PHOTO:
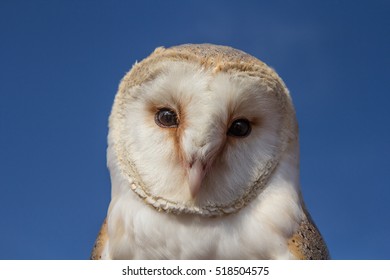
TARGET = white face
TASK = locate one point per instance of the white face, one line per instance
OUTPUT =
(200, 138)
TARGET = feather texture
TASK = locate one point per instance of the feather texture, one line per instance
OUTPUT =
(192, 190)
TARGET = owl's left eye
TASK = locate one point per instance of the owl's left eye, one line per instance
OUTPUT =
(240, 128)
(166, 118)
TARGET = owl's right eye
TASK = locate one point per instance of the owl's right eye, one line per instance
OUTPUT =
(166, 118)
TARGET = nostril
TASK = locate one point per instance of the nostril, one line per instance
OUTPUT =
(193, 161)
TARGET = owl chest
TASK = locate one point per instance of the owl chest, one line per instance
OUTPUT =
(183, 238)
(147, 234)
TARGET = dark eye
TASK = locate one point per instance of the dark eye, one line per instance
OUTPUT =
(240, 128)
(166, 118)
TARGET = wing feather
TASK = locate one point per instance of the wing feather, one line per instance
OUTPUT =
(307, 243)
(100, 242)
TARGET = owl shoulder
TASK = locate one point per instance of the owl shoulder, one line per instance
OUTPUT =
(100, 242)
(307, 242)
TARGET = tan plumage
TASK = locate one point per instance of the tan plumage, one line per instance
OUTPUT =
(201, 178)
(307, 242)
(100, 242)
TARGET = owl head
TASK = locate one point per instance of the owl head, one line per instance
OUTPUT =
(200, 129)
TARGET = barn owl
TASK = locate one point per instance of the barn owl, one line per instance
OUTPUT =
(204, 162)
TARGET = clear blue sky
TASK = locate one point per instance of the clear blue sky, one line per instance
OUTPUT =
(60, 65)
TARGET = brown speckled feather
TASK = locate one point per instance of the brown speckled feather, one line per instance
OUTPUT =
(100, 242)
(307, 243)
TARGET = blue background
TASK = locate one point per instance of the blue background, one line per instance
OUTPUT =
(60, 65)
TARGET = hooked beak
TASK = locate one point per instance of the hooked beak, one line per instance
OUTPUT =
(196, 173)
